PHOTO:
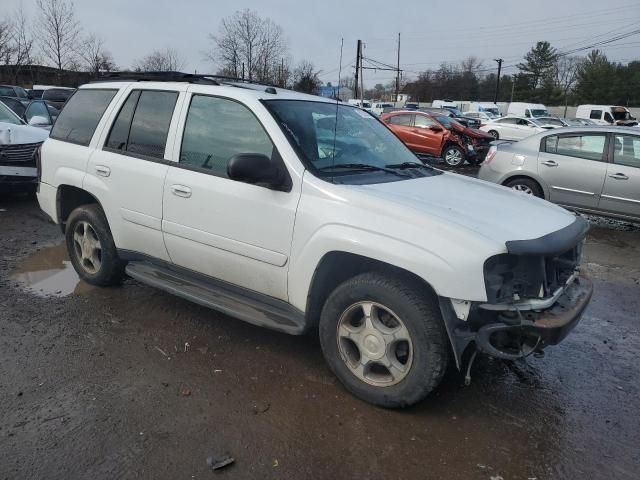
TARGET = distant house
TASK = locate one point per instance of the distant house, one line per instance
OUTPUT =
(329, 91)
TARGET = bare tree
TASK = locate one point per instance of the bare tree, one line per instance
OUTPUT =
(94, 56)
(565, 72)
(248, 43)
(6, 37)
(58, 32)
(471, 65)
(167, 60)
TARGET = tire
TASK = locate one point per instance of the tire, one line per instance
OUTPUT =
(86, 226)
(494, 134)
(526, 185)
(418, 363)
(475, 161)
(453, 156)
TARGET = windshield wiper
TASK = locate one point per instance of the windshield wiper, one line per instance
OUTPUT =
(363, 166)
(403, 165)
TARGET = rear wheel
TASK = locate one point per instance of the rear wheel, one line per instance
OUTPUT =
(494, 134)
(453, 155)
(525, 185)
(91, 248)
(384, 339)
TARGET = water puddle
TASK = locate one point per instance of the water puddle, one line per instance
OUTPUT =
(49, 272)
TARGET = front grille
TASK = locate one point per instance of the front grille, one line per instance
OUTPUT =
(18, 155)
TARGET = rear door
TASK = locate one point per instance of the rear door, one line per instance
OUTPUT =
(402, 125)
(508, 128)
(621, 192)
(130, 168)
(574, 167)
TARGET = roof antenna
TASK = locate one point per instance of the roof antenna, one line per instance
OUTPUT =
(335, 125)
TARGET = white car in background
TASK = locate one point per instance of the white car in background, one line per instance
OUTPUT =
(514, 128)
(484, 117)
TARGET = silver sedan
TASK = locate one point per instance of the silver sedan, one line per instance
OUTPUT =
(590, 169)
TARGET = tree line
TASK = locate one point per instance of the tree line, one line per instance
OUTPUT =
(544, 76)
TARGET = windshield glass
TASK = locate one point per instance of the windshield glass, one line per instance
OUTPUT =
(446, 122)
(7, 116)
(620, 114)
(356, 138)
(455, 111)
(539, 113)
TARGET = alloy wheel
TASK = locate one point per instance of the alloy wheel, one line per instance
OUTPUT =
(453, 157)
(522, 188)
(87, 247)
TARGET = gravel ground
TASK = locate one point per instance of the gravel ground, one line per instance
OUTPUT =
(131, 382)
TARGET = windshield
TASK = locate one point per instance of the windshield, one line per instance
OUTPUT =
(366, 105)
(490, 111)
(620, 114)
(7, 116)
(455, 111)
(446, 122)
(539, 113)
(356, 138)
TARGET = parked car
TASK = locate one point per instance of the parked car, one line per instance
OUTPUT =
(411, 106)
(15, 105)
(513, 128)
(18, 148)
(527, 110)
(16, 92)
(454, 114)
(485, 107)
(58, 96)
(594, 170)
(444, 104)
(293, 212)
(439, 136)
(34, 93)
(379, 108)
(607, 115)
(483, 117)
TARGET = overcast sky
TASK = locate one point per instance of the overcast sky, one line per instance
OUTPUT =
(432, 31)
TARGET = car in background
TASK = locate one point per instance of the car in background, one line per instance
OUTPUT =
(18, 147)
(456, 115)
(34, 93)
(580, 122)
(483, 117)
(15, 105)
(379, 108)
(439, 136)
(527, 110)
(16, 92)
(484, 107)
(607, 115)
(513, 128)
(37, 113)
(57, 96)
(411, 106)
(590, 169)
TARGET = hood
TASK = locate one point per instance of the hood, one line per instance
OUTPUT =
(11, 134)
(497, 213)
(470, 132)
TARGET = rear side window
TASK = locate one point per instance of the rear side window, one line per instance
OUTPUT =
(595, 114)
(142, 124)
(589, 147)
(404, 120)
(216, 130)
(626, 150)
(81, 115)
(510, 121)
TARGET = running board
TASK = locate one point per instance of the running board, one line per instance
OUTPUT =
(232, 300)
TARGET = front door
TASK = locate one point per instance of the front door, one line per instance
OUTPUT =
(621, 192)
(236, 232)
(573, 166)
(427, 135)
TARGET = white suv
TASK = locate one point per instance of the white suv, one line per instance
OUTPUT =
(301, 214)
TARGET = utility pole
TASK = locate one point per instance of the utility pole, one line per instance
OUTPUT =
(398, 71)
(358, 55)
(513, 86)
(282, 79)
(361, 77)
(495, 98)
(243, 70)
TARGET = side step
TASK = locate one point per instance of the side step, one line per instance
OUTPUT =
(232, 300)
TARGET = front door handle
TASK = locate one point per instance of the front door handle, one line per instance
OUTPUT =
(181, 191)
(103, 171)
(550, 163)
(619, 176)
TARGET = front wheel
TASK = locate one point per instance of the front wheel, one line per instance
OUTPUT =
(453, 155)
(525, 185)
(494, 134)
(91, 248)
(384, 339)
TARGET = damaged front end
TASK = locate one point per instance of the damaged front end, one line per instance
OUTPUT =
(535, 297)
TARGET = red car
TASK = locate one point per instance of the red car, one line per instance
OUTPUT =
(437, 135)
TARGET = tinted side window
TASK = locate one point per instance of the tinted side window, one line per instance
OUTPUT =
(37, 109)
(595, 114)
(150, 125)
(80, 117)
(404, 120)
(119, 134)
(626, 150)
(509, 121)
(589, 147)
(424, 122)
(218, 129)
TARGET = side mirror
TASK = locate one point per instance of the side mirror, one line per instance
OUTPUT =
(257, 169)
(38, 120)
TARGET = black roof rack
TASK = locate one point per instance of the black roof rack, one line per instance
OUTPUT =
(198, 78)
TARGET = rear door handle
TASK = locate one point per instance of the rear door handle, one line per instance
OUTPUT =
(103, 171)
(619, 176)
(181, 191)
(550, 163)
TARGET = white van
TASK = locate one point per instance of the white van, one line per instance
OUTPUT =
(529, 110)
(490, 108)
(444, 104)
(607, 115)
(378, 108)
(364, 104)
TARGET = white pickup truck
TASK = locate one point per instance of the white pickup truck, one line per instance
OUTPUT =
(301, 214)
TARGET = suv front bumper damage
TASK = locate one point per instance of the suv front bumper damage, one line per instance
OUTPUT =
(502, 333)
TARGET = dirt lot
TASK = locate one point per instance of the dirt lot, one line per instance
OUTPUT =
(131, 382)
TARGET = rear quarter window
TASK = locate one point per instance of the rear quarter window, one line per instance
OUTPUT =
(78, 120)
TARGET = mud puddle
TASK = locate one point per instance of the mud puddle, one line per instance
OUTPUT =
(49, 272)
